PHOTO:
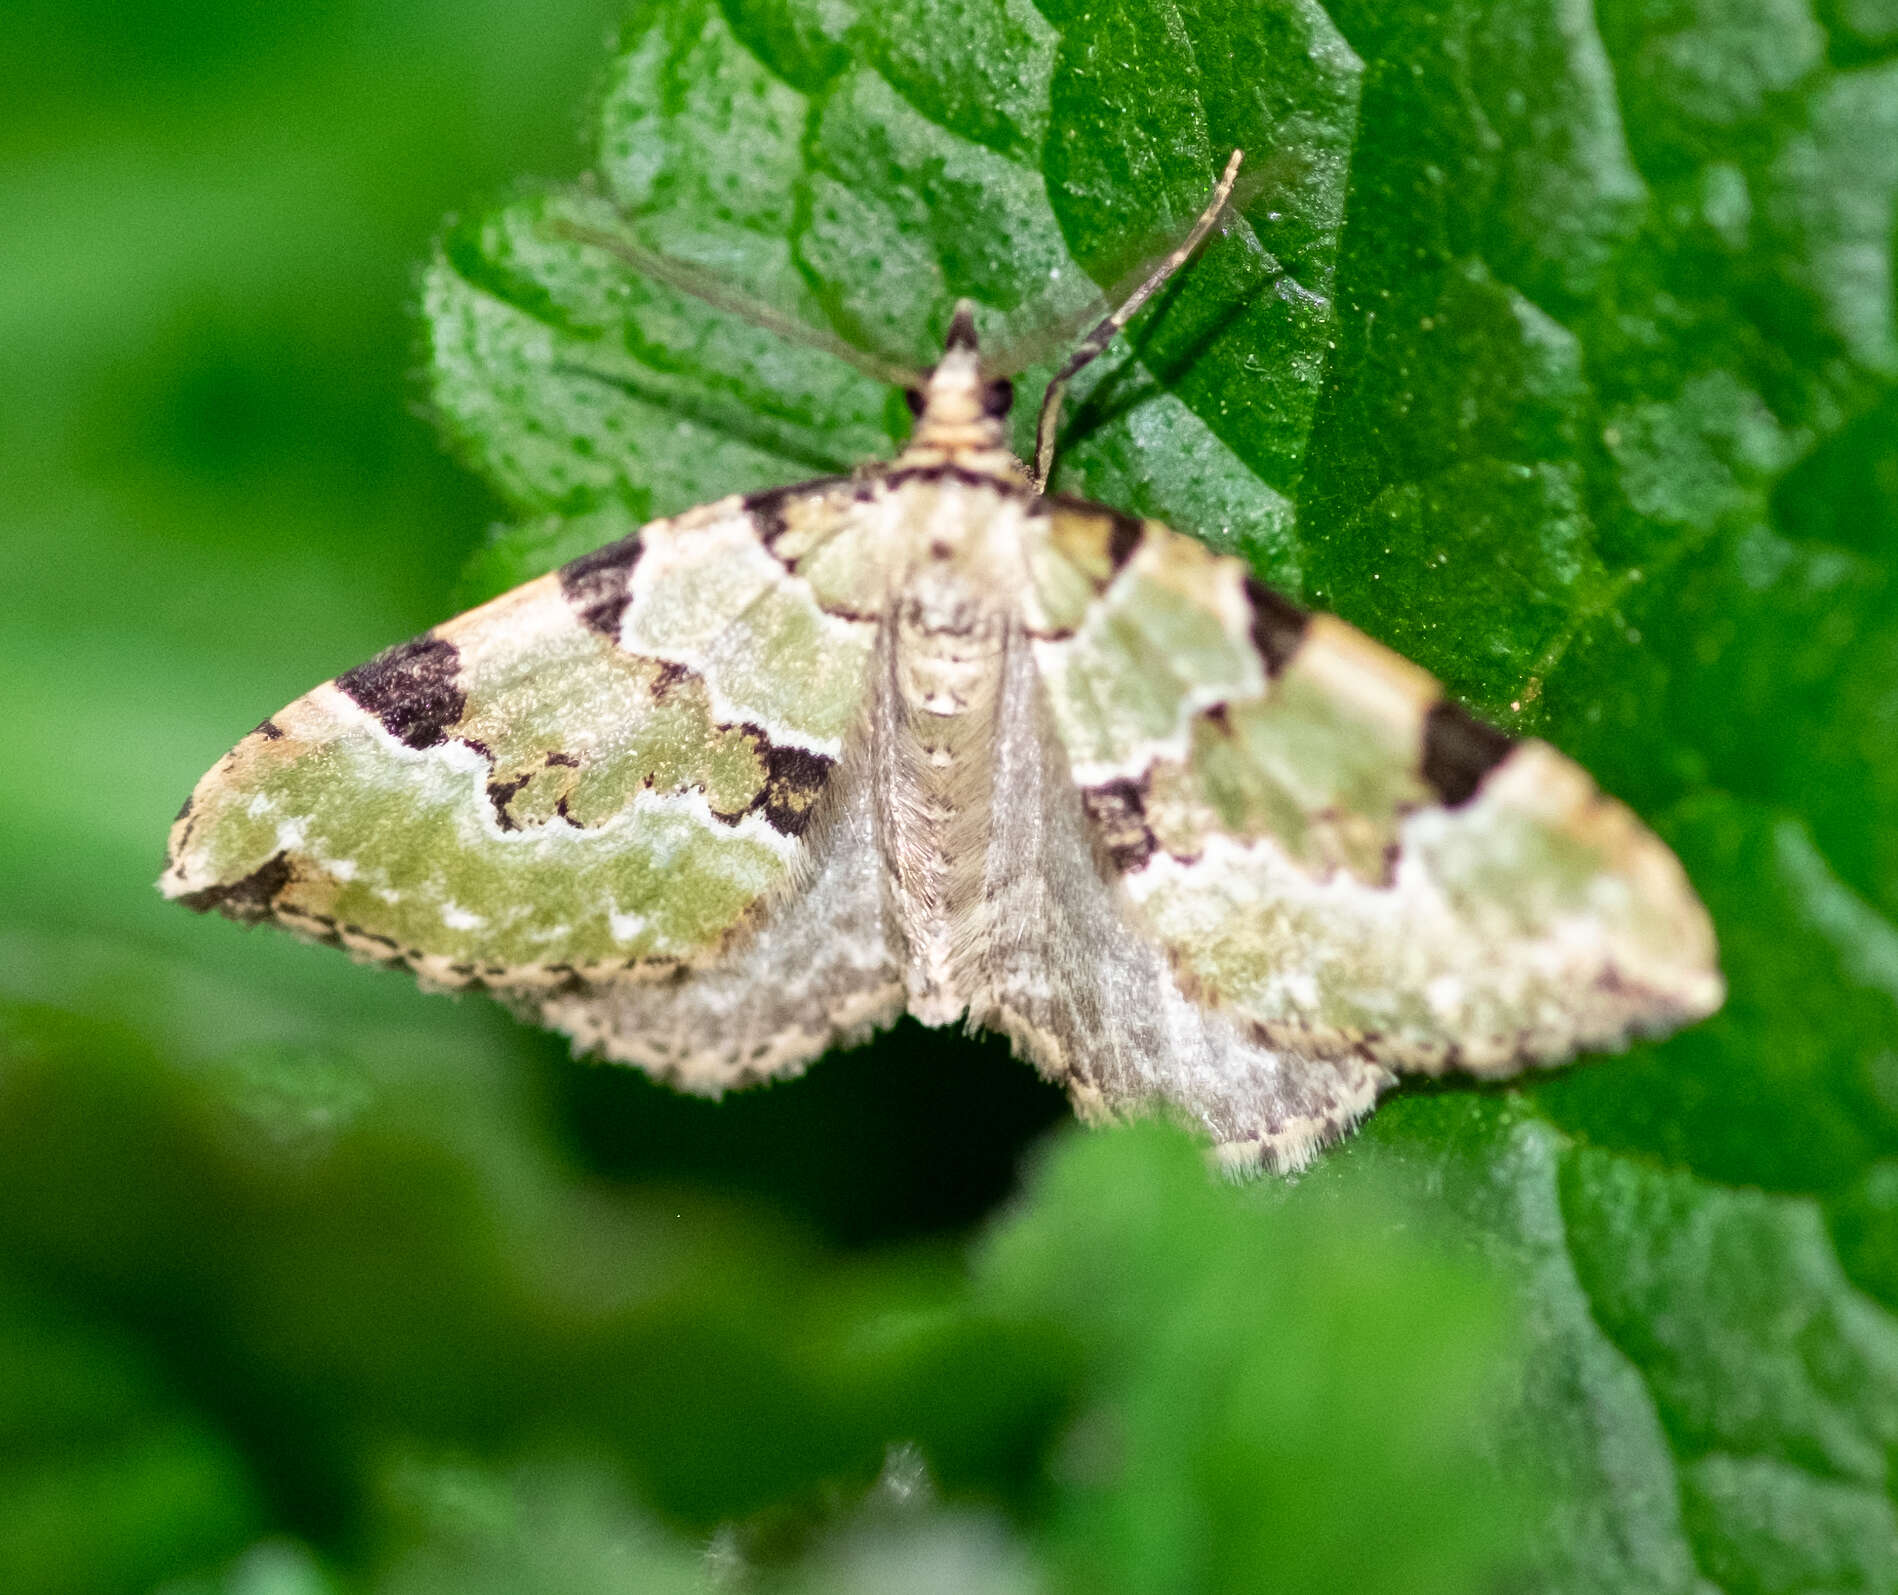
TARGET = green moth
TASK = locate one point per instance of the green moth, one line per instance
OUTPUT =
(763, 777)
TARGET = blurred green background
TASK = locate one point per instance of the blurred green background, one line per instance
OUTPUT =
(309, 1282)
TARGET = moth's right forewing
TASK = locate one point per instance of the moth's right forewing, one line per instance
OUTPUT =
(1328, 855)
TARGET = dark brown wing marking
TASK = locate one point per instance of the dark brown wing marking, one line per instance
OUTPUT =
(1118, 810)
(1278, 625)
(249, 900)
(411, 689)
(795, 779)
(599, 585)
(1458, 751)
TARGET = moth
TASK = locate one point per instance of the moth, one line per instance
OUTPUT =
(760, 779)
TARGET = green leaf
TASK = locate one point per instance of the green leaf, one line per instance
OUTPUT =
(110, 1480)
(1260, 1383)
(557, 1526)
(374, 1251)
(1560, 349)
(865, 186)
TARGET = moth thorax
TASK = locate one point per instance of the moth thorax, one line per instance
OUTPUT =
(949, 648)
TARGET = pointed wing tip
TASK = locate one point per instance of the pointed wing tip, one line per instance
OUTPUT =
(247, 899)
(174, 882)
(1694, 995)
(1670, 950)
(1683, 968)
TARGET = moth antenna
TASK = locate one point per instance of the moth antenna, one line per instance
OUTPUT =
(1106, 329)
(709, 290)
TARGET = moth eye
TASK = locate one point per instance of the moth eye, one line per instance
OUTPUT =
(997, 397)
(913, 397)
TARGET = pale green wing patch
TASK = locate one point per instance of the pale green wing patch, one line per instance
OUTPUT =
(1330, 853)
(522, 798)
(1137, 629)
(758, 606)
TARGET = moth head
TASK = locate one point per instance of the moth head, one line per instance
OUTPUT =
(959, 404)
(998, 396)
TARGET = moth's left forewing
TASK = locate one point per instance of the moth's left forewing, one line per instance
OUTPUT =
(608, 778)
(1332, 856)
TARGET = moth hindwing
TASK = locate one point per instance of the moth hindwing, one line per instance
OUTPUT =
(766, 776)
